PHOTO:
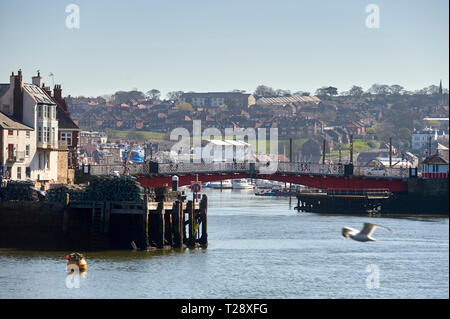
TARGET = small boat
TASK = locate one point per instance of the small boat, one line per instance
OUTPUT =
(226, 184)
(76, 260)
(265, 192)
(241, 184)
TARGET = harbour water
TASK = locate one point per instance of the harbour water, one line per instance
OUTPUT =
(259, 247)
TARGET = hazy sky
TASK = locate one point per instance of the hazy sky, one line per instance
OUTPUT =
(208, 45)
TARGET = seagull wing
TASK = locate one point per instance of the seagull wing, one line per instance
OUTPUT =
(349, 230)
(369, 228)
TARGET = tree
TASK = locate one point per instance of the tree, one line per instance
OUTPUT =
(396, 89)
(301, 93)
(174, 95)
(327, 91)
(153, 94)
(185, 106)
(125, 96)
(281, 92)
(356, 91)
(311, 149)
(264, 91)
(380, 89)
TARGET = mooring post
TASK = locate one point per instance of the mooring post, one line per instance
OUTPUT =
(190, 211)
(145, 218)
(168, 232)
(177, 224)
(204, 218)
(157, 225)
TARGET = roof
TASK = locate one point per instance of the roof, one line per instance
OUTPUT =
(228, 143)
(37, 94)
(288, 99)
(215, 94)
(3, 88)
(64, 120)
(9, 123)
(435, 159)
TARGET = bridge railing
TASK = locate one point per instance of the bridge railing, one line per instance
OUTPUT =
(109, 169)
(384, 172)
(311, 168)
(227, 167)
(186, 168)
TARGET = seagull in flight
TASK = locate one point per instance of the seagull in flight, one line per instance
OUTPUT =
(364, 235)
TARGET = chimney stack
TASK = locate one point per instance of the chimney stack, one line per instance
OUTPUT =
(47, 90)
(57, 92)
(17, 82)
(57, 96)
(37, 80)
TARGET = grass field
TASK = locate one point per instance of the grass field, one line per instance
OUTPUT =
(139, 135)
(358, 146)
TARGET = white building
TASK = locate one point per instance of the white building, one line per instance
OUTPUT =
(32, 113)
(421, 139)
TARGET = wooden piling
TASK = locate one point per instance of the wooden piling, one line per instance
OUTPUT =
(177, 223)
(168, 228)
(204, 220)
(160, 227)
(191, 223)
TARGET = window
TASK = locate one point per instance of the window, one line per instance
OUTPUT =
(45, 135)
(53, 136)
(28, 172)
(28, 133)
(10, 132)
(19, 172)
(45, 111)
(48, 135)
(40, 134)
(47, 164)
(40, 111)
(10, 151)
(27, 150)
(67, 137)
(40, 161)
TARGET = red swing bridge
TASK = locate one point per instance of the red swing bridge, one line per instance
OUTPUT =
(314, 175)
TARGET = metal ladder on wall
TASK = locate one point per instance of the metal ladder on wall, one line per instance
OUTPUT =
(97, 225)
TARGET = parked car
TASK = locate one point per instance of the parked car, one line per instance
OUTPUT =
(376, 171)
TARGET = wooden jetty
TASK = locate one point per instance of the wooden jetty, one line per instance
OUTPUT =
(170, 221)
(150, 225)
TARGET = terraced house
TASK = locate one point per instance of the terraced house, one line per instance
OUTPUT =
(28, 131)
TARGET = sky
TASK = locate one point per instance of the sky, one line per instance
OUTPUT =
(212, 45)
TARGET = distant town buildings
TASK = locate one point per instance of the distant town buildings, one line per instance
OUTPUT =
(422, 139)
(284, 100)
(87, 137)
(216, 99)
